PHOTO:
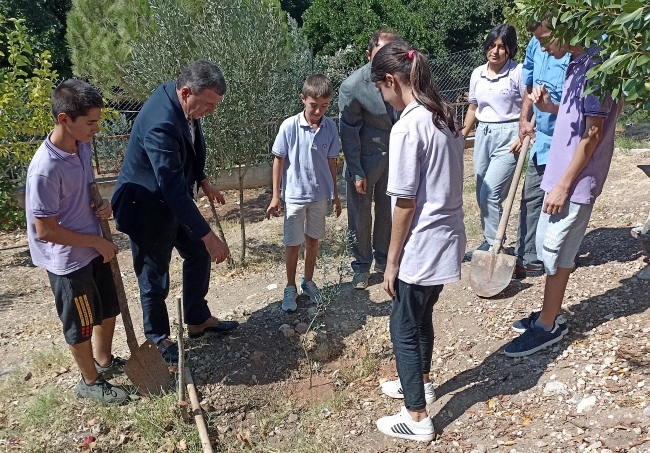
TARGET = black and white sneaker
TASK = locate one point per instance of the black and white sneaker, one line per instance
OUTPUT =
(394, 390)
(404, 427)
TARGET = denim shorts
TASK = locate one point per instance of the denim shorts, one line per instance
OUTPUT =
(559, 236)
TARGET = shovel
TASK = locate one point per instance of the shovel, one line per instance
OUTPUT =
(490, 272)
(146, 368)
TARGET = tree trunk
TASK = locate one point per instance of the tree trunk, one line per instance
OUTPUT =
(217, 224)
(242, 252)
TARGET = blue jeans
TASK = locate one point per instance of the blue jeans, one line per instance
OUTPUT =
(532, 198)
(411, 331)
(493, 168)
(151, 257)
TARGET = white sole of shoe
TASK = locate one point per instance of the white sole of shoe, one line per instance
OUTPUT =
(520, 330)
(415, 437)
(400, 396)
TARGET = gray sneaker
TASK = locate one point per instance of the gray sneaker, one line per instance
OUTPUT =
(360, 280)
(113, 369)
(289, 300)
(310, 290)
(380, 268)
(100, 390)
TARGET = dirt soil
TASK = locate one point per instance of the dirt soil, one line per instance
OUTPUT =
(587, 393)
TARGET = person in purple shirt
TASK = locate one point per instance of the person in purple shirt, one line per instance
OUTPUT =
(65, 239)
(578, 163)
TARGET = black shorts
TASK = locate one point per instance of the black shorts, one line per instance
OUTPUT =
(84, 298)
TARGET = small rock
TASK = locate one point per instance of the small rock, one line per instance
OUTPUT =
(312, 311)
(576, 399)
(609, 317)
(644, 274)
(637, 431)
(594, 446)
(272, 286)
(301, 328)
(540, 444)
(293, 418)
(287, 331)
(27, 376)
(480, 448)
(585, 404)
(555, 388)
(646, 411)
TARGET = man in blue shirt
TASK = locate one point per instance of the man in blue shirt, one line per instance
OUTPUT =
(539, 68)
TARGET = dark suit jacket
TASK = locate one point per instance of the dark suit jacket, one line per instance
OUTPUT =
(154, 188)
(365, 121)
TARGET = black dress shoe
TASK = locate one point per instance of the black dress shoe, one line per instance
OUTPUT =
(531, 270)
(170, 353)
(211, 325)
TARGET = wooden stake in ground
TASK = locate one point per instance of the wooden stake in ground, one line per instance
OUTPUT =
(182, 404)
(198, 413)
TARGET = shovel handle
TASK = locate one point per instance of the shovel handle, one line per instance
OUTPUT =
(181, 351)
(131, 340)
(523, 153)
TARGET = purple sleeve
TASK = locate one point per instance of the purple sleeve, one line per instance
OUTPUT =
(281, 144)
(593, 106)
(43, 196)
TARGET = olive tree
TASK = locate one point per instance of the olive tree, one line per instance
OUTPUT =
(264, 59)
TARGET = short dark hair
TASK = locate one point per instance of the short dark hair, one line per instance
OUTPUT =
(387, 32)
(317, 86)
(508, 35)
(534, 25)
(74, 97)
(201, 75)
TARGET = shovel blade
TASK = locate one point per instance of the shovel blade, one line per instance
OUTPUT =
(646, 169)
(490, 274)
(147, 370)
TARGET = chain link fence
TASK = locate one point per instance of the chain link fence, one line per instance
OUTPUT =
(451, 73)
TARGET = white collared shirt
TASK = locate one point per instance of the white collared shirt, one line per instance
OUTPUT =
(498, 99)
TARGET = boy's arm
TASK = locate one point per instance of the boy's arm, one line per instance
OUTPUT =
(557, 198)
(275, 208)
(48, 229)
(402, 219)
(336, 203)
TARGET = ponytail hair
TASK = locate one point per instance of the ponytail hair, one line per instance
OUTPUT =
(397, 58)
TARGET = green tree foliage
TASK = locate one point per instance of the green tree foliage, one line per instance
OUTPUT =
(45, 22)
(295, 8)
(437, 26)
(99, 34)
(263, 59)
(25, 89)
(619, 29)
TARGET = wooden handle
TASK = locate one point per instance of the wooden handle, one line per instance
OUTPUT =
(181, 352)
(511, 193)
(198, 413)
(131, 339)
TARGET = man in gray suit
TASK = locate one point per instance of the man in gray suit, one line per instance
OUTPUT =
(365, 124)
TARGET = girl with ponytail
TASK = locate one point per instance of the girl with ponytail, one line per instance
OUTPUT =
(425, 182)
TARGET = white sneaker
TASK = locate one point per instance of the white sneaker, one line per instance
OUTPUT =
(289, 300)
(394, 390)
(404, 427)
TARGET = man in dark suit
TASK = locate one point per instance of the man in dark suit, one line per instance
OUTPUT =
(154, 202)
(365, 124)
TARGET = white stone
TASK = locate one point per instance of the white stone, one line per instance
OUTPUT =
(555, 388)
(646, 411)
(272, 286)
(609, 317)
(585, 404)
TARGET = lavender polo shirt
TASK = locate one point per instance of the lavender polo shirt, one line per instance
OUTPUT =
(426, 164)
(569, 128)
(306, 175)
(58, 186)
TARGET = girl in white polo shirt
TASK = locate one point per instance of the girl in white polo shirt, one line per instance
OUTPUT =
(496, 94)
(425, 182)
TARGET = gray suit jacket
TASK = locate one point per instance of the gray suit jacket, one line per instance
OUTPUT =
(365, 121)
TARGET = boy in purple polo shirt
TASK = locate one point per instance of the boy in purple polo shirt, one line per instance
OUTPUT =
(578, 163)
(65, 238)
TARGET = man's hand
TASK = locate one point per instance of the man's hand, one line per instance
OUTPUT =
(212, 193)
(542, 100)
(526, 130)
(336, 206)
(105, 248)
(390, 277)
(218, 250)
(555, 200)
(361, 185)
(105, 211)
(274, 209)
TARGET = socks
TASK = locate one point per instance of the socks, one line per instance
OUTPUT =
(539, 325)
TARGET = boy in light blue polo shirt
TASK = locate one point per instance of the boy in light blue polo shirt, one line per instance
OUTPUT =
(304, 177)
(539, 68)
